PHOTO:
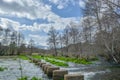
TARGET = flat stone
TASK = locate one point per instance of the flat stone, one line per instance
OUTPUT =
(45, 68)
(39, 62)
(50, 70)
(74, 77)
(35, 61)
(42, 64)
(59, 74)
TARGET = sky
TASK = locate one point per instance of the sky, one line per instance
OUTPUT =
(34, 18)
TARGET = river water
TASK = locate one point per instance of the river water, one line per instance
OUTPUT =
(13, 71)
(96, 71)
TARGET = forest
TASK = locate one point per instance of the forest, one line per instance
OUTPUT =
(96, 35)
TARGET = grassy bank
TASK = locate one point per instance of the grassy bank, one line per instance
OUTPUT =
(52, 60)
(60, 61)
(23, 57)
(57, 63)
(74, 60)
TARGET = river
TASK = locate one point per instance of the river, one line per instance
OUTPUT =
(96, 71)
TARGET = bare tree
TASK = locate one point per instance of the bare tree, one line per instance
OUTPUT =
(107, 22)
(61, 43)
(53, 39)
(66, 37)
(20, 43)
(74, 31)
(31, 46)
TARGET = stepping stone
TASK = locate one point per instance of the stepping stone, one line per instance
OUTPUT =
(45, 68)
(42, 64)
(73, 77)
(50, 70)
(59, 74)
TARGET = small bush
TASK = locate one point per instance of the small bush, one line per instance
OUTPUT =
(26, 78)
(35, 78)
(2, 68)
(23, 78)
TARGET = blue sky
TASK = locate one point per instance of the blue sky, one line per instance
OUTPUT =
(35, 17)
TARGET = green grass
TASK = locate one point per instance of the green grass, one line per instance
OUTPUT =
(23, 78)
(2, 68)
(23, 57)
(37, 57)
(51, 59)
(57, 63)
(26, 78)
(35, 78)
(74, 60)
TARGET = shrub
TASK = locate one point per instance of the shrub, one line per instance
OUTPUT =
(2, 68)
(35, 78)
(26, 78)
(23, 78)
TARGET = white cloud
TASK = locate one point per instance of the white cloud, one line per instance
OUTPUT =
(40, 40)
(64, 3)
(59, 24)
(9, 1)
(33, 9)
(55, 1)
(81, 3)
(60, 3)
(60, 6)
(25, 8)
(5, 23)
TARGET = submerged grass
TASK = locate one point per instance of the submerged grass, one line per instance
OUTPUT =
(1, 69)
